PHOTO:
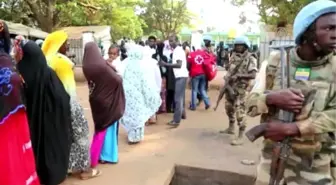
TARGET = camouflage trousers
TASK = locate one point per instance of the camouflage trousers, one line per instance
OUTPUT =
(296, 173)
(236, 110)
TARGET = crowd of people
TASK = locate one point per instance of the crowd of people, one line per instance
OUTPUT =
(40, 106)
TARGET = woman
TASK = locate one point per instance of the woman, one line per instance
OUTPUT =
(170, 78)
(54, 48)
(141, 92)
(159, 56)
(17, 164)
(153, 72)
(48, 113)
(107, 103)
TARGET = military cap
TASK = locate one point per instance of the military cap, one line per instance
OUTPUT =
(309, 14)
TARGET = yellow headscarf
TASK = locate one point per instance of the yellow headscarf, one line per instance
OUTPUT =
(53, 43)
(61, 64)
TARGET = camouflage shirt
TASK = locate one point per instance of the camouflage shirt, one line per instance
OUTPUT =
(317, 120)
(241, 64)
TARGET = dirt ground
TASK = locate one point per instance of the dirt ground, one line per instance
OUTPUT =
(197, 142)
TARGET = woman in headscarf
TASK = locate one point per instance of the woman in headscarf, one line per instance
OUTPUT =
(17, 164)
(160, 57)
(107, 101)
(170, 78)
(54, 48)
(153, 72)
(48, 113)
(141, 92)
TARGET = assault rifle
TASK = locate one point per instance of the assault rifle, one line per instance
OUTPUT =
(228, 90)
(281, 150)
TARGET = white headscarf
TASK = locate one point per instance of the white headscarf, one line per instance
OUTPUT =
(152, 67)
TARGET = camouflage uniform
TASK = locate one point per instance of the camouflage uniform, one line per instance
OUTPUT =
(246, 63)
(311, 158)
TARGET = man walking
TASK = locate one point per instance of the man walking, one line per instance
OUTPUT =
(199, 82)
(179, 65)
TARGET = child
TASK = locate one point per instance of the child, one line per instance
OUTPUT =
(114, 59)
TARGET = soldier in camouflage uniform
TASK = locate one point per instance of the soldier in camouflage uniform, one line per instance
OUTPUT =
(312, 65)
(242, 69)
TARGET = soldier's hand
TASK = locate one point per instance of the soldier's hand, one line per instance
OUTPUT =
(287, 99)
(277, 131)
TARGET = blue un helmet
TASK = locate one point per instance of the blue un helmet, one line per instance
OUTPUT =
(309, 14)
(242, 40)
(205, 39)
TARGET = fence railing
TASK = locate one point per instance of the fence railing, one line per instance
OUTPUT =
(76, 49)
(281, 37)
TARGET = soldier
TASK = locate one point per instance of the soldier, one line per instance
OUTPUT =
(312, 66)
(242, 69)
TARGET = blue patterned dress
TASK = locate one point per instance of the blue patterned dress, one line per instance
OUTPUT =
(142, 97)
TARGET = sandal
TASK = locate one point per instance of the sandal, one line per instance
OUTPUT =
(94, 173)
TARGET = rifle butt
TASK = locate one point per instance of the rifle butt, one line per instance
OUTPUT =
(256, 132)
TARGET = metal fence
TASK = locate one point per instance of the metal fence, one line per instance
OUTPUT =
(277, 38)
(76, 50)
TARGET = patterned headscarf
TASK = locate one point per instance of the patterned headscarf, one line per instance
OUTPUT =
(134, 51)
(10, 81)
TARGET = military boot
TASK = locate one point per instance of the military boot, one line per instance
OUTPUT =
(229, 130)
(238, 140)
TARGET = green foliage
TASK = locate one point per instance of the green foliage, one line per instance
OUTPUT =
(161, 17)
(165, 16)
(119, 14)
(11, 10)
(274, 11)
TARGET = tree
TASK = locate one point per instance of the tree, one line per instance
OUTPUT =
(40, 13)
(274, 11)
(165, 16)
(52, 14)
(46, 14)
(119, 14)
(12, 10)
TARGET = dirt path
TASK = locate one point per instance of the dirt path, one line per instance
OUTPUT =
(197, 142)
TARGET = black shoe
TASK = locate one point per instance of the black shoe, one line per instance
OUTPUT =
(207, 107)
(192, 108)
(184, 116)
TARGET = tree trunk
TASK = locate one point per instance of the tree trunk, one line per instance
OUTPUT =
(44, 21)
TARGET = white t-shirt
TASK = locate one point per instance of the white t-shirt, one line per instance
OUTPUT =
(179, 54)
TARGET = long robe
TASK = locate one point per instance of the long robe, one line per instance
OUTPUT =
(63, 67)
(141, 92)
(49, 115)
(17, 164)
(107, 99)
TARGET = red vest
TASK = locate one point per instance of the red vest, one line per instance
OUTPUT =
(197, 59)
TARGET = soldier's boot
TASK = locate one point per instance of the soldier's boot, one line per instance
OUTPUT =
(230, 130)
(239, 139)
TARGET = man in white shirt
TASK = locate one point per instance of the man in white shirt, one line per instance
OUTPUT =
(179, 65)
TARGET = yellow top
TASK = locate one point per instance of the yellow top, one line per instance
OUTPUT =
(61, 64)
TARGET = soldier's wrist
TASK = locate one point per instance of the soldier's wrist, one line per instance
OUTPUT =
(292, 130)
